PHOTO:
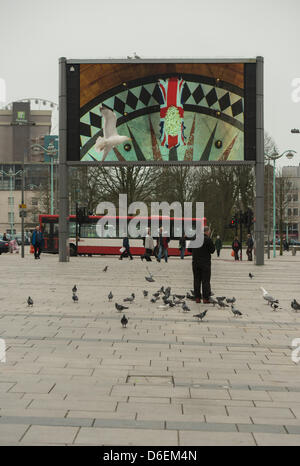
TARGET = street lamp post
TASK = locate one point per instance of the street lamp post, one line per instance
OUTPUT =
(289, 154)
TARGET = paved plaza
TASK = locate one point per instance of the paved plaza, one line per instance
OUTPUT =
(74, 376)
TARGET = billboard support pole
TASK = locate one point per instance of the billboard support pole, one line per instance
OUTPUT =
(259, 167)
(63, 226)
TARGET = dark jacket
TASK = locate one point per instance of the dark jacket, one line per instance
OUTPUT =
(203, 254)
(126, 243)
(37, 238)
(250, 243)
(182, 242)
(236, 248)
(218, 243)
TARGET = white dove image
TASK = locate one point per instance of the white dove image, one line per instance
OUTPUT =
(111, 137)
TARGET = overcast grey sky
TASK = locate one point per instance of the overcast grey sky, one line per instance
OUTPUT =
(35, 33)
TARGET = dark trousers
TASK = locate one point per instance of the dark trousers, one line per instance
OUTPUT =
(126, 253)
(218, 252)
(249, 254)
(37, 250)
(147, 255)
(202, 273)
(236, 254)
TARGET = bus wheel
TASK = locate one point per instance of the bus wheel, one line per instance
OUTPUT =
(73, 250)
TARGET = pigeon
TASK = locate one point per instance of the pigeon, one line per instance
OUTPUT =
(162, 290)
(153, 300)
(119, 307)
(222, 304)
(201, 315)
(180, 296)
(268, 297)
(178, 301)
(185, 308)
(110, 138)
(168, 291)
(150, 279)
(124, 321)
(130, 299)
(30, 301)
(250, 275)
(220, 298)
(171, 304)
(166, 300)
(105, 268)
(189, 296)
(74, 289)
(75, 298)
(295, 305)
(236, 312)
(230, 300)
(110, 296)
(145, 293)
(213, 301)
(274, 306)
(156, 295)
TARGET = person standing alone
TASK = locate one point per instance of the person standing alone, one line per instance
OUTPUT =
(250, 245)
(218, 245)
(37, 242)
(202, 267)
(236, 246)
(149, 246)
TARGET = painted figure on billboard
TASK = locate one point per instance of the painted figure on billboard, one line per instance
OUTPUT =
(111, 137)
(171, 113)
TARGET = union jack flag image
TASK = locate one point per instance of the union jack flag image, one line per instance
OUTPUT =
(171, 113)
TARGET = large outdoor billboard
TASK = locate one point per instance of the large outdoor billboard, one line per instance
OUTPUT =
(161, 111)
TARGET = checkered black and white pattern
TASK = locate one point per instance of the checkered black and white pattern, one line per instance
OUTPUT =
(149, 95)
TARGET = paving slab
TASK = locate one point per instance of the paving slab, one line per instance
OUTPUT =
(50, 435)
(146, 437)
(222, 381)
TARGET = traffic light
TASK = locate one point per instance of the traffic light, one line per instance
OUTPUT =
(81, 215)
(234, 221)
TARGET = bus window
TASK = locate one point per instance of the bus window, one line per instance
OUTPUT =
(72, 229)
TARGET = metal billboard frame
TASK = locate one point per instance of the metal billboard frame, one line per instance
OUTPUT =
(64, 164)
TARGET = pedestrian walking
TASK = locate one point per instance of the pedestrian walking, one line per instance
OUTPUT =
(125, 250)
(202, 267)
(250, 244)
(285, 244)
(149, 246)
(218, 245)
(236, 246)
(163, 244)
(182, 246)
(37, 241)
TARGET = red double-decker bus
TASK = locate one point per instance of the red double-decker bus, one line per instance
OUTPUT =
(109, 242)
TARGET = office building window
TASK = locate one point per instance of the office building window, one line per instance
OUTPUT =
(295, 212)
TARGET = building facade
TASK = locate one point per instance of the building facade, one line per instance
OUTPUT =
(292, 173)
(23, 133)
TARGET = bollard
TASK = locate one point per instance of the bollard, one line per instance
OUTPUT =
(294, 250)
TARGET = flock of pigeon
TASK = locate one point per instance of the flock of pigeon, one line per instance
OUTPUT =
(169, 300)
